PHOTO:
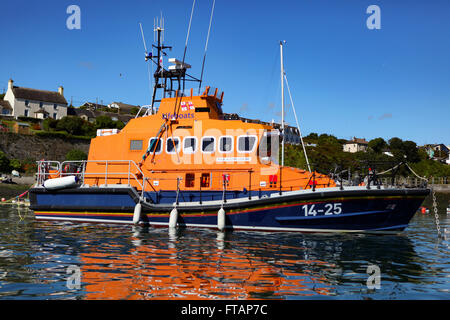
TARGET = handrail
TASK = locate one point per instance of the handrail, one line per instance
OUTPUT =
(44, 171)
(135, 173)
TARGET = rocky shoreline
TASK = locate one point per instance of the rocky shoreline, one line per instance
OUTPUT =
(19, 185)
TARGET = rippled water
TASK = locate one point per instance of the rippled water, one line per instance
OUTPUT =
(40, 260)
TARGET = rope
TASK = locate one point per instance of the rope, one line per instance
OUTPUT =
(423, 178)
(296, 120)
(389, 169)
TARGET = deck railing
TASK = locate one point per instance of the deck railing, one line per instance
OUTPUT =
(54, 169)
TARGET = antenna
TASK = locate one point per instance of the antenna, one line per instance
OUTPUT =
(206, 46)
(187, 36)
(147, 56)
(145, 45)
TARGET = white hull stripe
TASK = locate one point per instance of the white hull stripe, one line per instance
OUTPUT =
(163, 224)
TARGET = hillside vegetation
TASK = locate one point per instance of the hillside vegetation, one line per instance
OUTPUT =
(327, 156)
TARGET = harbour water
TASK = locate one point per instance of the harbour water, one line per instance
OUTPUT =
(63, 260)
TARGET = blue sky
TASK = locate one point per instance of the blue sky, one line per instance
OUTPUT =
(345, 79)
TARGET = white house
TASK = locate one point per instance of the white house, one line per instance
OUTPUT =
(356, 145)
(41, 104)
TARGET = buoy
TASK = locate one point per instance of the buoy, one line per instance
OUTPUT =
(173, 219)
(221, 219)
(60, 183)
(137, 213)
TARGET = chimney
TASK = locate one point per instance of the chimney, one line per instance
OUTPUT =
(61, 90)
(10, 84)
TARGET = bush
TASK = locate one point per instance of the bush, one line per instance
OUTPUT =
(49, 124)
(76, 155)
(15, 164)
(29, 119)
(72, 125)
(4, 163)
(58, 134)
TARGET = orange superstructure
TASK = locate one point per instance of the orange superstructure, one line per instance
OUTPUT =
(186, 143)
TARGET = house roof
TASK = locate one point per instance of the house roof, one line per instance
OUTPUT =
(125, 107)
(5, 104)
(94, 105)
(357, 141)
(38, 95)
(41, 111)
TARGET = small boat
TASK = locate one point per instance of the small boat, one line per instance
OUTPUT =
(181, 163)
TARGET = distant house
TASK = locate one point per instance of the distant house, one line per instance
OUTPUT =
(93, 106)
(356, 145)
(90, 115)
(34, 103)
(437, 151)
(122, 108)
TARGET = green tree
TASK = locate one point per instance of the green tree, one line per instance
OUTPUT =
(76, 155)
(411, 151)
(88, 129)
(104, 122)
(72, 125)
(327, 139)
(134, 111)
(377, 145)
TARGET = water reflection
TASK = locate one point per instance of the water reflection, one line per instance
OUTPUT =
(134, 262)
(205, 264)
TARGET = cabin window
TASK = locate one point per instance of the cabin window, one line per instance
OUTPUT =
(205, 180)
(55, 107)
(154, 145)
(41, 104)
(246, 144)
(208, 144)
(135, 145)
(27, 103)
(226, 144)
(265, 146)
(173, 145)
(190, 145)
(189, 180)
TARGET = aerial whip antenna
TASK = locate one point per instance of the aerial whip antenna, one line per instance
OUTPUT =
(187, 37)
(206, 45)
(147, 56)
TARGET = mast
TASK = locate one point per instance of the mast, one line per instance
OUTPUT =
(282, 103)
